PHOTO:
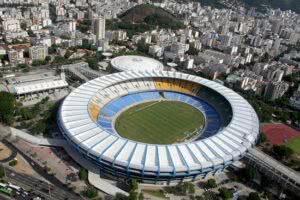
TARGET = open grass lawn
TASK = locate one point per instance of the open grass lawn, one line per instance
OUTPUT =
(294, 144)
(159, 122)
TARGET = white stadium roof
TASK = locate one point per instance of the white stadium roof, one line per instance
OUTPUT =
(136, 63)
(40, 86)
(228, 144)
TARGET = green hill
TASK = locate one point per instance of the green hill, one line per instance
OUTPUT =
(151, 15)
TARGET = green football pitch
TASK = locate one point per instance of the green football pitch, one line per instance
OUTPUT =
(295, 145)
(159, 122)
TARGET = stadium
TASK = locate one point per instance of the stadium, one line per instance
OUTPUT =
(158, 126)
(136, 63)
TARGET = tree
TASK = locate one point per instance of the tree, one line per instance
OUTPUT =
(211, 183)
(59, 60)
(141, 196)
(31, 33)
(248, 173)
(13, 163)
(52, 49)
(84, 26)
(52, 12)
(263, 138)
(225, 193)
(161, 19)
(253, 196)
(90, 192)
(39, 128)
(68, 54)
(26, 114)
(23, 25)
(22, 66)
(192, 51)
(45, 100)
(120, 196)
(93, 63)
(191, 188)
(39, 62)
(83, 174)
(181, 189)
(7, 107)
(133, 185)
(2, 172)
(25, 70)
(242, 197)
(143, 47)
(47, 59)
(2, 57)
(199, 197)
(210, 195)
(132, 195)
(282, 151)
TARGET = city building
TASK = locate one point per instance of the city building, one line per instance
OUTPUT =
(98, 25)
(275, 90)
(38, 52)
(34, 85)
(12, 25)
(295, 99)
(16, 56)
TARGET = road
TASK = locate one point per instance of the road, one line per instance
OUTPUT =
(41, 188)
(60, 191)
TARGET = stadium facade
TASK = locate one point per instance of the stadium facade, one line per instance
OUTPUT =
(87, 115)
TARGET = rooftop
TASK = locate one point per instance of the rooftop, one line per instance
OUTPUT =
(136, 63)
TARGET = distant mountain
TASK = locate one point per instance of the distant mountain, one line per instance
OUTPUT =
(151, 15)
(293, 5)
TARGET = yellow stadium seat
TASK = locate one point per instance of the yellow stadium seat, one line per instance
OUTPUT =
(176, 86)
(166, 84)
(158, 83)
(94, 111)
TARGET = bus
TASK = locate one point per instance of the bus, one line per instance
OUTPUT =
(9, 76)
(5, 190)
(3, 185)
(14, 187)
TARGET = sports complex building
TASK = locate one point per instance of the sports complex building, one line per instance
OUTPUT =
(136, 63)
(115, 121)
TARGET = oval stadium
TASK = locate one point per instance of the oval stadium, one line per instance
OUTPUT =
(158, 126)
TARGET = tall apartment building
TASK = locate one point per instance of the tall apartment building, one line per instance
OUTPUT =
(276, 26)
(11, 25)
(16, 56)
(98, 25)
(38, 52)
(295, 99)
(275, 90)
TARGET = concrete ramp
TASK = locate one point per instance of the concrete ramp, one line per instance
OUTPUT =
(103, 185)
(36, 140)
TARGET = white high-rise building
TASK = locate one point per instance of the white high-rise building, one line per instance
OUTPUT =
(98, 24)
(11, 25)
(72, 26)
